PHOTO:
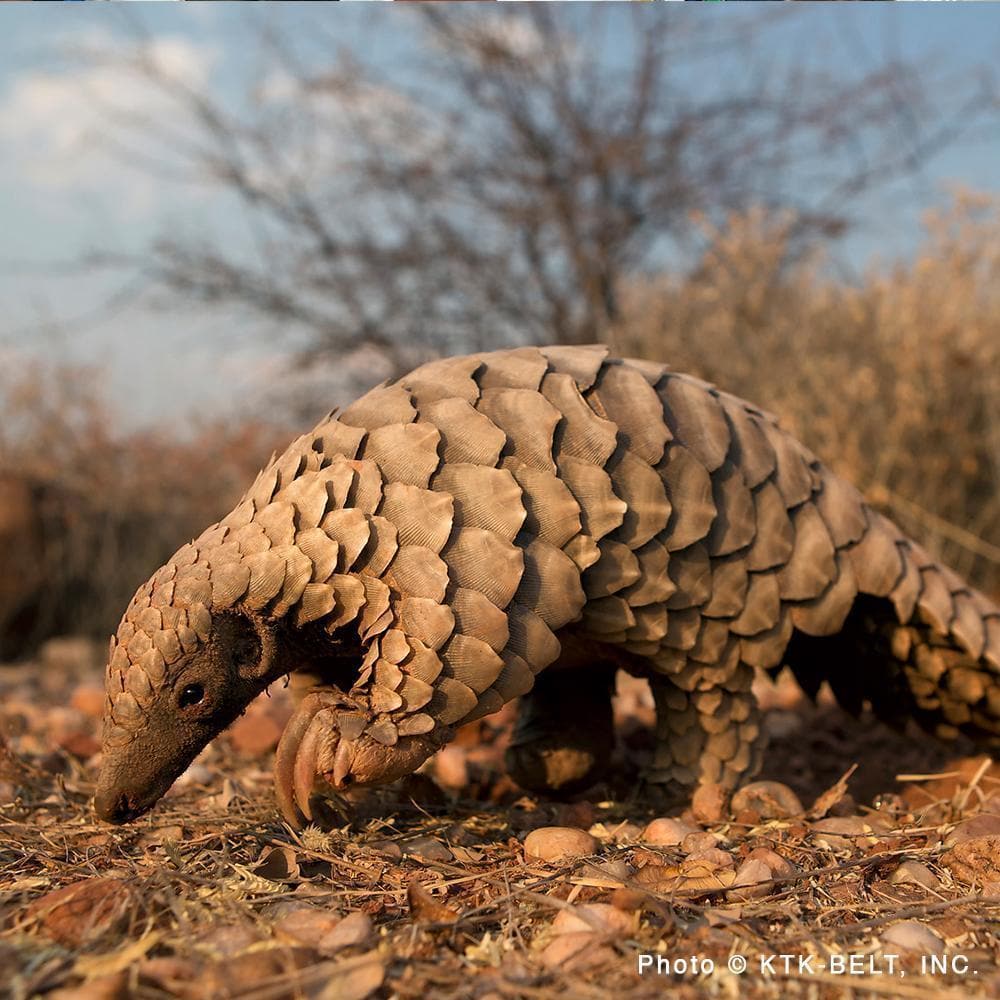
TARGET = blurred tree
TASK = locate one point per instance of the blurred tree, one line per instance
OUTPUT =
(526, 168)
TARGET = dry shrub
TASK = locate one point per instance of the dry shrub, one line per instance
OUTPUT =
(895, 382)
(87, 513)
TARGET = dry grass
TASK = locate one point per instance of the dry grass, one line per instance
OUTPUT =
(895, 383)
(104, 506)
(427, 892)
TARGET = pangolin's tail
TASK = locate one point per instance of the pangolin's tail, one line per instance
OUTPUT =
(918, 642)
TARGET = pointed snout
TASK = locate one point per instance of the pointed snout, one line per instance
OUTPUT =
(113, 805)
(131, 783)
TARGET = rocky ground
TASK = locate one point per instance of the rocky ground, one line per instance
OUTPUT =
(880, 880)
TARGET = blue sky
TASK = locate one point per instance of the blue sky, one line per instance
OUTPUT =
(62, 194)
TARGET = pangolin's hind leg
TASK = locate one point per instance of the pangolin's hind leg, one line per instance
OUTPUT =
(564, 736)
(707, 725)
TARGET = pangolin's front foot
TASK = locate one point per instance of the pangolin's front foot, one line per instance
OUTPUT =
(329, 738)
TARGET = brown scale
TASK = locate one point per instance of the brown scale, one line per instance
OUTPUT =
(520, 524)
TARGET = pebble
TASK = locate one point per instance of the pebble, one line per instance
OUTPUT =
(838, 833)
(558, 843)
(752, 881)
(914, 873)
(713, 856)
(354, 929)
(616, 869)
(666, 831)
(911, 935)
(427, 848)
(306, 925)
(780, 867)
(769, 799)
(576, 952)
(693, 843)
(601, 918)
(709, 803)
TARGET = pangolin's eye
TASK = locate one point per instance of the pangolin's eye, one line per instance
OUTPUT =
(191, 695)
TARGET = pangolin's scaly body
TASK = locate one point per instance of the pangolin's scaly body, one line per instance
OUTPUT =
(418, 561)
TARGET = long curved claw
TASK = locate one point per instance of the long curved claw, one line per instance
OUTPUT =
(304, 770)
(287, 754)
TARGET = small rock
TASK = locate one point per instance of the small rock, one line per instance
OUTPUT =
(983, 825)
(845, 806)
(709, 802)
(839, 833)
(303, 924)
(698, 841)
(354, 929)
(427, 848)
(239, 974)
(911, 935)
(558, 843)
(228, 940)
(752, 881)
(353, 978)
(601, 918)
(914, 873)
(616, 869)
(780, 867)
(769, 799)
(713, 856)
(626, 833)
(568, 946)
(387, 848)
(576, 952)
(666, 831)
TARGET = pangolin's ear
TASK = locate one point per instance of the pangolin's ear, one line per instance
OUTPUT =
(252, 647)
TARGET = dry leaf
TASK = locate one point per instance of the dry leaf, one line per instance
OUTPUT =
(425, 909)
(354, 978)
(82, 911)
(825, 802)
(279, 864)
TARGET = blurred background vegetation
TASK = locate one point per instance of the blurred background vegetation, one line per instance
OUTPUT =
(525, 181)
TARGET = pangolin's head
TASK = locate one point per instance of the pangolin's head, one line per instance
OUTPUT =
(184, 663)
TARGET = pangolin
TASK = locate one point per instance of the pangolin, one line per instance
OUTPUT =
(521, 524)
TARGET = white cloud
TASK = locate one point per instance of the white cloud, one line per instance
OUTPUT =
(52, 121)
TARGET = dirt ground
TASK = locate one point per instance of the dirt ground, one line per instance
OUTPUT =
(887, 884)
